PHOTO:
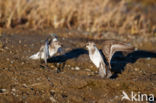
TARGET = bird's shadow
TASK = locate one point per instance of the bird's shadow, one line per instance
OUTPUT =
(74, 53)
(119, 61)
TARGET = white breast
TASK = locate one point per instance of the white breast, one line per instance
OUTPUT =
(96, 58)
(52, 52)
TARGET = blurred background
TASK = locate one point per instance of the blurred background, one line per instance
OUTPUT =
(121, 16)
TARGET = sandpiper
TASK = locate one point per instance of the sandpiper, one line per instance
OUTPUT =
(49, 49)
(98, 60)
(112, 46)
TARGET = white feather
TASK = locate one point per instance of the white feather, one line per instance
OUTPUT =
(96, 57)
(35, 56)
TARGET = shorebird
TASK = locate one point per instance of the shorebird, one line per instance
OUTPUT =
(112, 46)
(97, 59)
(49, 49)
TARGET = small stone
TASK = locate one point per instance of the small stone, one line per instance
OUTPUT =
(6, 47)
(136, 49)
(13, 93)
(53, 99)
(149, 58)
(77, 68)
(117, 84)
(148, 65)
(19, 41)
(38, 79)
(51, 66)
(12, 62)
(2, 90)
(88, 70)
(14, 90)
(116, 97)
(22, 63)
(72, 68)
(24, 85)
(136, 69)
(52, 92)
(96, 72)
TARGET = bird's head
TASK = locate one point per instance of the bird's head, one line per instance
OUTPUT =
(58, 46)
(90, 45)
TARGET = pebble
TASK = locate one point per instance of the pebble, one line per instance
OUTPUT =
(136, 69)
(117, 84)
(6, 47)
(88, 70)
(116, 97)
(136, 49)
(90, 74)
(51, 66)
(19, 41)
(22, 63)
(72, 68)
(7, 59)
(77, 68)
(14, 90)
(149, 58)
(12, 62)
(68, 65)
(52, 92)
(2, 90)
(53, 99)
(148, 65)
(24, 85)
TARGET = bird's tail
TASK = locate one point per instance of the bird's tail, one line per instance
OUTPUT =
(35, 56)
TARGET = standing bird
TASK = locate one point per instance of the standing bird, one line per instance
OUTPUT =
(49, 49)
(98, 60)
(112, 46)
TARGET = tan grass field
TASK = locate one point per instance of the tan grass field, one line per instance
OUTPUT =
(122, 16)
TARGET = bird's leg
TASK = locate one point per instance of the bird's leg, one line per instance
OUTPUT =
(55, 65)
(109, 62)
(110, 65)
(41, 62)
(59, 67)
(63, 65)
(44, 64)
(109, 73)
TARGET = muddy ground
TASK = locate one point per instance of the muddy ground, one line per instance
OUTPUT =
(27, 81)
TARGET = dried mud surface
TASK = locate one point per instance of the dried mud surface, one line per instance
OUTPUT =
(27, 81)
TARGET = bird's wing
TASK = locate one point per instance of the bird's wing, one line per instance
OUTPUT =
(46, 51)
(120, 47)
(106, 51)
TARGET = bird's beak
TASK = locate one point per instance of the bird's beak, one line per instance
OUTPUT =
(86, 46)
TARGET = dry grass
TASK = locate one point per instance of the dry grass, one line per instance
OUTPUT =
(91, 15)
